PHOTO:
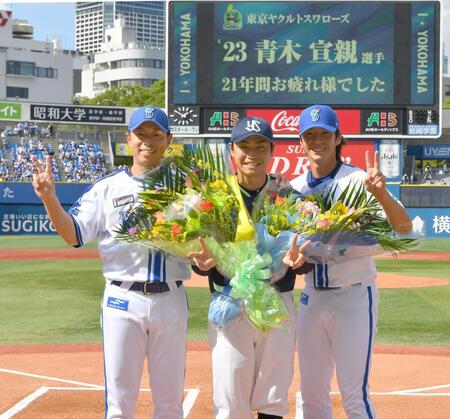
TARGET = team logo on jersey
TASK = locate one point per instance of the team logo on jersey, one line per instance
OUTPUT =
(149, 113)
(75, 209)
(117, 303)
(315, 115)
(304, 298)
(123, 200)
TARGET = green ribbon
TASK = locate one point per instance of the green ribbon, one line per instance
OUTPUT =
(250, 282)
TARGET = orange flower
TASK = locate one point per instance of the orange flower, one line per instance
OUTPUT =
(175, 230)
(206, 206)
(279, 200)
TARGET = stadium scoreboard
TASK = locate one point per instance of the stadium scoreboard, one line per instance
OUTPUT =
(376, 62)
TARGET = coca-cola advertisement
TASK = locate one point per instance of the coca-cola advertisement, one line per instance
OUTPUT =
(286, 121)
(289, 157)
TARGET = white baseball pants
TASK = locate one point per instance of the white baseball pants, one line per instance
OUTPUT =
(136, 326)
(336, 328)
(252, 371)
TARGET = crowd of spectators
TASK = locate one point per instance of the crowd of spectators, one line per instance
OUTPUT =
(78, 160)
(82, 161)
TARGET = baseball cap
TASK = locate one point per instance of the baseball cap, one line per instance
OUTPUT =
(149, 114)
(318, 116)
(249, 127)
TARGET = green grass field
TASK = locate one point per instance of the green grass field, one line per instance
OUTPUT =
(59, 302)
(35, 242)
(432, 268)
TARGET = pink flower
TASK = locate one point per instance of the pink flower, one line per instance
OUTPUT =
(132, 231)
(323, 224)
(188, 182)
(160, 218)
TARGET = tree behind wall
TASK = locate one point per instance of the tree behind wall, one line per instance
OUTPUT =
(130, 96)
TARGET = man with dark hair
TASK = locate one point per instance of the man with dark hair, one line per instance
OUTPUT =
(338, 308)
(253, 371)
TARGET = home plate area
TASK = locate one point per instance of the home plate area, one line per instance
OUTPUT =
(70, 385)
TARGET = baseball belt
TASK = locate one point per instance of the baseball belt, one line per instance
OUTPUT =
(148, 288)
(336, 288)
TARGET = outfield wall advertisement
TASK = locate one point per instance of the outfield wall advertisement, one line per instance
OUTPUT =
(22, 212)
(23, 193)
(25, 219)
(430, 222)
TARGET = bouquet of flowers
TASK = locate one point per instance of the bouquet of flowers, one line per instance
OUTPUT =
(350, 226)
(192, 195)
(182, 200)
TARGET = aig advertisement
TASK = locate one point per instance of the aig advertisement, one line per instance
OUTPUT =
(25, 219)
(289, 157)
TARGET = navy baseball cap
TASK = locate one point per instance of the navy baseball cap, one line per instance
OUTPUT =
(149, 114)
(249, 127)
(318, 116)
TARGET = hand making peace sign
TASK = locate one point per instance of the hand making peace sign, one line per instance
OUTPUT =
(43, 182)
(294, 257)
(375, 181)
(202, 259)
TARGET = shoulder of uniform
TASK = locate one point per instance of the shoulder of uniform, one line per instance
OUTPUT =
(348, 169)
(299, 180)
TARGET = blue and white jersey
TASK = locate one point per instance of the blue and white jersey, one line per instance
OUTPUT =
(97, 214)
(361, 269)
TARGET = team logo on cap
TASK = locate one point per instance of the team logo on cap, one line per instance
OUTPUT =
(315, 115)
(149, 113)
(253, 126)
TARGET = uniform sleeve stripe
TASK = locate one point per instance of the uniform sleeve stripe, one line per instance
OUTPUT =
(77, 231)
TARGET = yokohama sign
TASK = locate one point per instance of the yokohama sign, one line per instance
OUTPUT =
(286, 121)
(290, 159)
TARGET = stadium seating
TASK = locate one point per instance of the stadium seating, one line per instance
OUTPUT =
(74, 161)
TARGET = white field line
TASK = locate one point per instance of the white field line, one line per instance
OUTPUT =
(415, 390)
(400, 393)
(189, 401)
(45, 377)
(22, 404)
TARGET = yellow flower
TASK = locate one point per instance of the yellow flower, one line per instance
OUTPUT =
(342, 208)
(156, 230)
(218, 185)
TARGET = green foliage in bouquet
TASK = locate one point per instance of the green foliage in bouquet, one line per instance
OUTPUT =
(353, 211)
(186, 197)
